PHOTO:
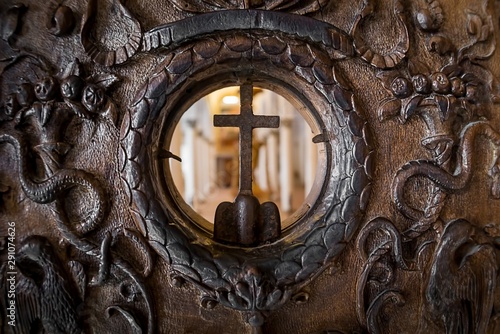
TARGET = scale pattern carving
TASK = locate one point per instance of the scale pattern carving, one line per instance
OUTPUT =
(241, 281)
(454, 102)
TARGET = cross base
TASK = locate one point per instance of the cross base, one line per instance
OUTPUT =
(246, 222)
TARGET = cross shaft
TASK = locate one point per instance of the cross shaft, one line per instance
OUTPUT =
(246, 121)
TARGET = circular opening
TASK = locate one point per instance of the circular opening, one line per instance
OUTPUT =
(205, 163)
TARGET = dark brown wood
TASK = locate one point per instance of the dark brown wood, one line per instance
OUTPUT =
(402, 234)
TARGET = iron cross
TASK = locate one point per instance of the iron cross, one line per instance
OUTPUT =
(246, 121)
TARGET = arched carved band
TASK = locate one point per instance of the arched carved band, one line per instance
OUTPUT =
(265, 277)
(302, 27)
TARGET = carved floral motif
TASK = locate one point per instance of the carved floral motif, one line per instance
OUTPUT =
(453, 97)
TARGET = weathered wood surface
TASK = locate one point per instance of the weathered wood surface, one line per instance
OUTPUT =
(404, 236)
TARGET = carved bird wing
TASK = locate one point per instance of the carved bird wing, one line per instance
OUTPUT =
(476, 284)
(462, 283)
(28, 309)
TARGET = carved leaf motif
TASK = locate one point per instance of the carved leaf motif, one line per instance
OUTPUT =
(105, 80)
(478, 28)
(73, 68)
(474, 24)
(187, 271)
(444, 106)
(481, 30)
(243, 291)
(485, 33)
(386, 78)
(411, 107)
(286, 271)
(388, 109)
(235, 301)
(135, 327)
(274, 298)
(417, 67)
(453, 70)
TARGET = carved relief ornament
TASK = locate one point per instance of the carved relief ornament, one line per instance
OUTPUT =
(275, 56)
(268, 44)
(453, 95)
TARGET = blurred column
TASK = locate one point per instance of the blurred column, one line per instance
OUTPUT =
(176, 166)
(188, 160)
(286, 164)
(200, 163)
(310, 161)
(272, 164)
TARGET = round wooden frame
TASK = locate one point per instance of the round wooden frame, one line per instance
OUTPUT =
(264, 277)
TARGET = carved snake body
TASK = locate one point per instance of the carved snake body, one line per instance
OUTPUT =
(64, 179)
(442, 178)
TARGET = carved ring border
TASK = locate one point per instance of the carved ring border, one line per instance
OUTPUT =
(273, 272)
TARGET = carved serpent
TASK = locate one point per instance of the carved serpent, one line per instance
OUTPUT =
(443, 179)
(64, 179)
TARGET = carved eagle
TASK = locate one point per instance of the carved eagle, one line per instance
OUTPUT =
(46, 301)
(460, 291)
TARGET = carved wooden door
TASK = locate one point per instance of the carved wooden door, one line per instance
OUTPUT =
(400, 235)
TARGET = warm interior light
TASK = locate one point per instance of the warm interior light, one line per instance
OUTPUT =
(284, 160)
(230, 99)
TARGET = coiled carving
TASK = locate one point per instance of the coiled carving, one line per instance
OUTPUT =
(238, 279)
(49, 190)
